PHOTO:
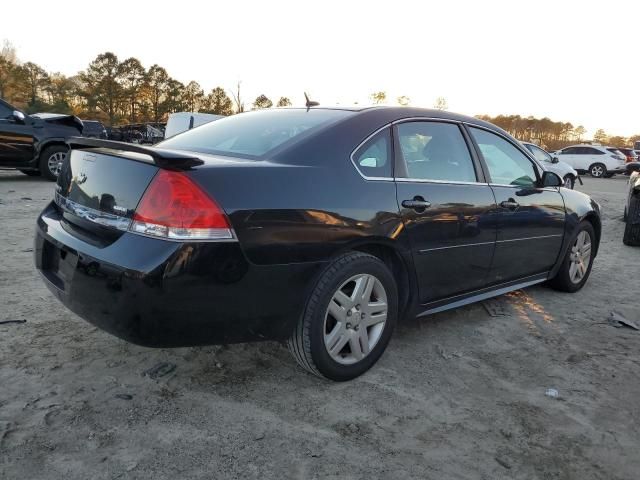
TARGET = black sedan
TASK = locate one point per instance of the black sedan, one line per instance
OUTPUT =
(317, 226)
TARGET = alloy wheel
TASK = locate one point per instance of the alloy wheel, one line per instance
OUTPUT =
(597, 171)
(54, 162)
(568, 182)
(355, 319)
(580, 257)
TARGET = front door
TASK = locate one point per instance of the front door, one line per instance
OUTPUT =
(530, 219)
(16, 140)
(445, 207)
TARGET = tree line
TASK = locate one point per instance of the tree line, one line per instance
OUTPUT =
(114, 91)
(553, 135)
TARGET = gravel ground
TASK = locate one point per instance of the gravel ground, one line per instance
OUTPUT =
(460, 395)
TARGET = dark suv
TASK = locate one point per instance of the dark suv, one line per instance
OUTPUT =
(94, 129)
(35, 144)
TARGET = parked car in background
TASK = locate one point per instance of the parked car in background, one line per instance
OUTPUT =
(597, 160)
(94, 129)
(632, 207)
(35, 144)
(182, 121)
(307, 225)
(140, 133)
(630, 154)
(636, 145)
(551, 163)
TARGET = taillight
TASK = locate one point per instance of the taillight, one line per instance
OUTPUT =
(174, 207)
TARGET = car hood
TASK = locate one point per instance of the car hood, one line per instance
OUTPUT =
(60, 119)
(561, 168)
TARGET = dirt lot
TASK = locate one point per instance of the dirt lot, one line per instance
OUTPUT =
(460, 395)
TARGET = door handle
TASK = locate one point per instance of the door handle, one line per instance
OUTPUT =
(418, 203)
(509, 204)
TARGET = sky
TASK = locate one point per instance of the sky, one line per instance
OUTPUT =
(572, 61)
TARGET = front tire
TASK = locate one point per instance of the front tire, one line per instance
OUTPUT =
(568, 181)
(348, 320)
(631, 235)
(51, 160)
(578, 260)
(598, 170)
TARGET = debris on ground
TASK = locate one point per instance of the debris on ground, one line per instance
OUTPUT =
(124, 396)
(551, 392)
(503, 462)
(618, 320)
(496, 307)
(160, 370)
(3, 322)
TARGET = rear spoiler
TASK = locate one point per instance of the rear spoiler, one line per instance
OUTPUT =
(162, 158)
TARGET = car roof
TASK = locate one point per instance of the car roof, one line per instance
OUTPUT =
(394, 113)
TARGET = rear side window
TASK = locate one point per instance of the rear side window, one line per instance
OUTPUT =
(507, 165)
(435, 151)
(373, 159)
(591, 151)
(570, 151)
(254, 134)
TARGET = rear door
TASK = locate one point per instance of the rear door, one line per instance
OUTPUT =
(16, 139)
(446, 208)
(570, 155)
(530, 219)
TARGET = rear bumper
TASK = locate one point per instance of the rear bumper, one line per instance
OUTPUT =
(167, 294)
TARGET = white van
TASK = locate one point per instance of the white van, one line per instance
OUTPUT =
(182, 121)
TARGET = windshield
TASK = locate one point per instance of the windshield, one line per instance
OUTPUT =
(254, 134)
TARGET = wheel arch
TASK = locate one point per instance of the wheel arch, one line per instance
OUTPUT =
(388, 253)
(50, 142)
(595, 222)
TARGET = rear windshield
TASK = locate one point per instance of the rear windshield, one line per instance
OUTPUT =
(614, 151)
(254, 134)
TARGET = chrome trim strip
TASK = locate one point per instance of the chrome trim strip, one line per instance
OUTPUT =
(454, 182)
(426, 250)
(546, 189)
(92, 215)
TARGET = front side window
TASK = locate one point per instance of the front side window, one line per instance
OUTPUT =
(374, 157)
(507, 165)
(539, 154)
(435, 151)
(569, 151)
(5, 112)
(254, 134)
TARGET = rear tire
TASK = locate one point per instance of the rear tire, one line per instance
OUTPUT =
(568, 181)
(598, 170)
(51, 160)
(631, 235)
(31, 173)
(575, 268)
(343, 330)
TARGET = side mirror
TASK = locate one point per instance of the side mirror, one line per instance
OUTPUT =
(550, 179)
(18, 116)
(554, 160)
